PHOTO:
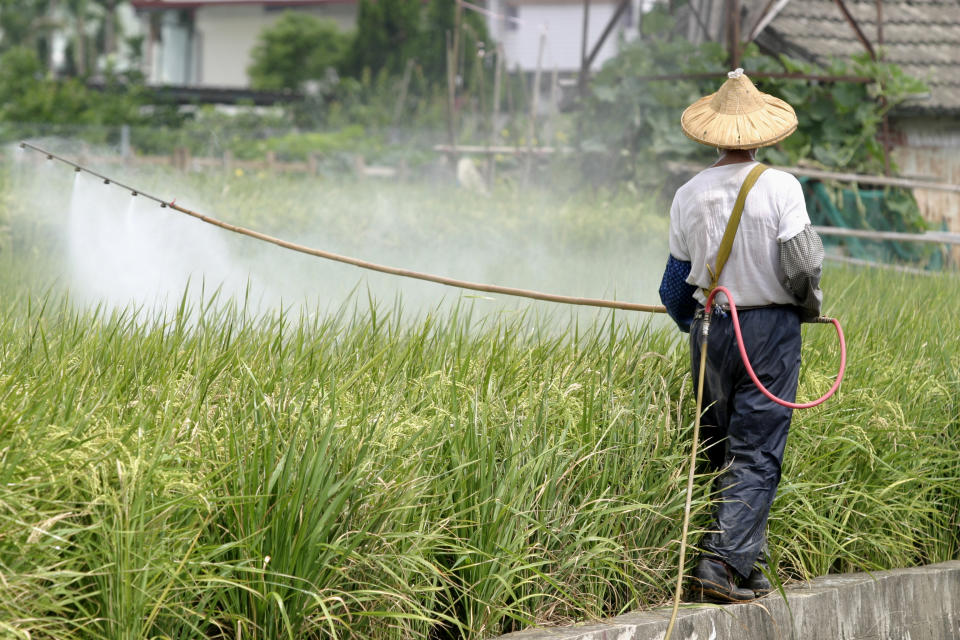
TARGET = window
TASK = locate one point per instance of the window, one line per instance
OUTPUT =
(512, 17)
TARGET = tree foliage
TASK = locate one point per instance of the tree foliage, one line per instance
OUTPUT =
(298, 47)
(90, 26)
(29, 95)
(432, 49)
(387, 35)
(20, 21)
(839, 121)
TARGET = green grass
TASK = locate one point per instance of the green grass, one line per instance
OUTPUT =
(372, 472)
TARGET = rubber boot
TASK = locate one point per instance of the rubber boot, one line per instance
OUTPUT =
(712, 580)
(757, 580)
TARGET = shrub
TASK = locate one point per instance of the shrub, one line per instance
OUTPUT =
(295, 49)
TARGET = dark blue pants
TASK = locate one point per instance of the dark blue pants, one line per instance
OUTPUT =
(744, 432)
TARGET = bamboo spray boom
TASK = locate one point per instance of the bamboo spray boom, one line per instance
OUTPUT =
(363, 264)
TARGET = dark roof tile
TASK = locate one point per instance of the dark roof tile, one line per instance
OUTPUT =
(922, 36)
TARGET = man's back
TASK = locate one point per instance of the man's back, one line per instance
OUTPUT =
(774, 212)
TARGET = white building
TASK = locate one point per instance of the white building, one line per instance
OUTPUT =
(208, 43)
(517, 25)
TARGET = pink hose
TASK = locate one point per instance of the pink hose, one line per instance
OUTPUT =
(746, 361)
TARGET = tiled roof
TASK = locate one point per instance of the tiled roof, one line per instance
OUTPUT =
(922, 36)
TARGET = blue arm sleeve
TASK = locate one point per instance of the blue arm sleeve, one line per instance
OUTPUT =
(677, 295)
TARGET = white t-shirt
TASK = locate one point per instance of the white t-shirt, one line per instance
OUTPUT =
(774, 211)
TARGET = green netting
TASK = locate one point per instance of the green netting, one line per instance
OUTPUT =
(876, 209)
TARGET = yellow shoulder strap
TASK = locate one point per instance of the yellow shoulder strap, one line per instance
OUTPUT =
(726, 244)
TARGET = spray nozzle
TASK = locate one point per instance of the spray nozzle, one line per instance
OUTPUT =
(76, 169)
(133, 193)
(106, 181)
(23, 145)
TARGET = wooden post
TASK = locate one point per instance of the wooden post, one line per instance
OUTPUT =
(732, 32)
(523, 100)
(81, 40)
(554, 105)
(885, 125)
(109, 27)
(582, 79)
(451, 97)
(457, 20)
(453, 48)
(481, 92)
(271, 161)
(880, 26)
(695, 12)
(228, 161)
(494, 113)
(484, 120)
(735, 34)
(534, 103)
(312, 163)
(404, 86)
(856, 28)
(125, 150)
(611, 24)
(584, 71)
(508, 90)
(181, 158)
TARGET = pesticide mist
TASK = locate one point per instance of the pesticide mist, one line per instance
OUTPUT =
(124, 250)
(116, 250)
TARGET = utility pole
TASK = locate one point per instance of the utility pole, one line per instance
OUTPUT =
(110, 28)
(733, 32)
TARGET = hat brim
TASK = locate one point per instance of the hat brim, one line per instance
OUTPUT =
(760, 128)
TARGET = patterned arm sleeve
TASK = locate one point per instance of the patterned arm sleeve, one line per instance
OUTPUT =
(801, 258)
(677, 295)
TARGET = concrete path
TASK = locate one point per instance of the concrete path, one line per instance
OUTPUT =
(906, 604)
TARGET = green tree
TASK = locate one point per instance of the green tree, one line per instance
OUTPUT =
(25, 23)
(440, 20)
(21, 75)
(388, 32)
(28, 95)
(90, 26)
(296, 48)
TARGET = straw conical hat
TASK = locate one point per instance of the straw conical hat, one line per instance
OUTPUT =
(738, 116)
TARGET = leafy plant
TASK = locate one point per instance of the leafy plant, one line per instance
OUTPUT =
(28, 96)
(295, 49)
(387, 32)
(839, 122)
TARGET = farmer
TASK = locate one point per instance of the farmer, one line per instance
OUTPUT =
(773, 273)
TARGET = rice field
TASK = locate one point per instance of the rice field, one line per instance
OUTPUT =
(419, 465)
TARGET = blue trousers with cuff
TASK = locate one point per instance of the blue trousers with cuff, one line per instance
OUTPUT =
(744, 433)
